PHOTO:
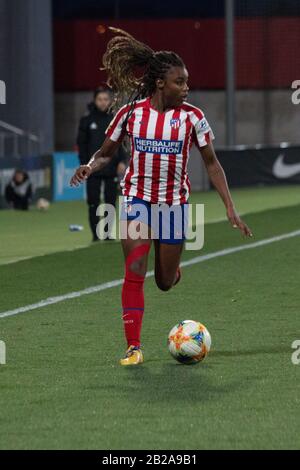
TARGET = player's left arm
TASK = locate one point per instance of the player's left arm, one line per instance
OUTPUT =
(218, 179)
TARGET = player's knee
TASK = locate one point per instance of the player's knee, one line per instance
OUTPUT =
(138, 267)
(136, 262)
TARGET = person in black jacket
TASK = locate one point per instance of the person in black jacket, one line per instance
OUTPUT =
(18, 192)
(91, 136)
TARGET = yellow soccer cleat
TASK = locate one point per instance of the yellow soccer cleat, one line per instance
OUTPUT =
(133, 357)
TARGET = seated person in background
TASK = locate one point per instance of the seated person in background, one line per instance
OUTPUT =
(18, 192)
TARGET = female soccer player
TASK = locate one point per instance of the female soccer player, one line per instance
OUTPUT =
(161, 127)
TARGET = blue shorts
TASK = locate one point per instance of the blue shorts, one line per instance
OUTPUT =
(168, 223)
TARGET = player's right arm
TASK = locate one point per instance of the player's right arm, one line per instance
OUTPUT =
(98, 161)
(115, 134)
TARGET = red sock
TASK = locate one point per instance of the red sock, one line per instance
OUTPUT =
(133, 298)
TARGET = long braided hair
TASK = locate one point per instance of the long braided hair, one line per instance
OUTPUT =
(133, 68)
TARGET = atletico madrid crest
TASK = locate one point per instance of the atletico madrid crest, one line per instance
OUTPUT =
(175, 123)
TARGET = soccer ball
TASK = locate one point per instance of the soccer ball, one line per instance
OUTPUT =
(42, 204)
(189, 342)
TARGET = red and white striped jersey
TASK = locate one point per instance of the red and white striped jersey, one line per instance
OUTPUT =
(160, 147)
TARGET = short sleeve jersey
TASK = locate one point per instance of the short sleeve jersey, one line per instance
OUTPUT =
(160, 148)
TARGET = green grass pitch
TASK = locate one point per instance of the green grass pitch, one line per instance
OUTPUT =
(62, 387)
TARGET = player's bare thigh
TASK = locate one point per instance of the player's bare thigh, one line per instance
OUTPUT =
(167, 260)
(139, 264)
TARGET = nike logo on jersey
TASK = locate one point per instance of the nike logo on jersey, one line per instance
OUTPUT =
(283, 170)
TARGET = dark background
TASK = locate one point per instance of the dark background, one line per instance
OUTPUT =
(71, 9)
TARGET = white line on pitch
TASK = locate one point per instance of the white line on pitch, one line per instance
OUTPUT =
(119, 282)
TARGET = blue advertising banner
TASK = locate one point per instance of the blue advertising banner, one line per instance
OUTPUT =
(64, 165)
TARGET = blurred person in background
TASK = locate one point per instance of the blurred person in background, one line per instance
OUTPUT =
(18, 192)
(91, 136)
